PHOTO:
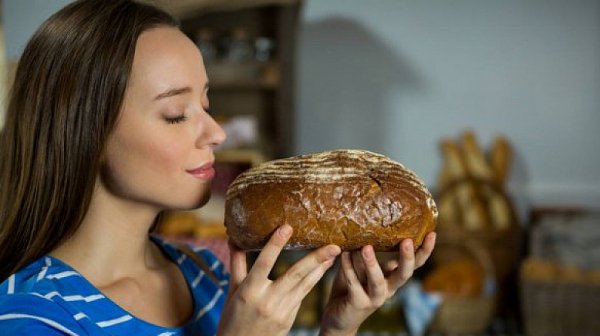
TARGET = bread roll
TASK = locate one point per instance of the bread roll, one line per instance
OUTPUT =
(350, 198)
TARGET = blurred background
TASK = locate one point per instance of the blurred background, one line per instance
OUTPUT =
(494, 104)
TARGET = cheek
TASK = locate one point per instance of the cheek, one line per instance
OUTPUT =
(147, 156)
(166, 156)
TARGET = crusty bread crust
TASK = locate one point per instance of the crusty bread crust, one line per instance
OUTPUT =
(350, 198)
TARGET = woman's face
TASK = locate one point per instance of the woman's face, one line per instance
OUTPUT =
(161, 152)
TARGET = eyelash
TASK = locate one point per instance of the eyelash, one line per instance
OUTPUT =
(181, 118)
(176, 120)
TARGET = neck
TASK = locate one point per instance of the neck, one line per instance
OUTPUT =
(112, 241)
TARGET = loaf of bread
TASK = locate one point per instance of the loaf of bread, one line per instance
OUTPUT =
(350, 198)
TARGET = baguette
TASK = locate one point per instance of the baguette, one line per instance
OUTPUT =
(479, 168)
(474, 158)
(500, 158)
(472, 210)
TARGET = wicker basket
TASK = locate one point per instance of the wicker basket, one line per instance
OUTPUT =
(559, 293)
(504, 246)
(466, 315)
(555, 304)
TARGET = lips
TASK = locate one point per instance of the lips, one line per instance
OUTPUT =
(204, 172)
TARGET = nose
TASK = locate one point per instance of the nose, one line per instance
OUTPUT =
(212, 134)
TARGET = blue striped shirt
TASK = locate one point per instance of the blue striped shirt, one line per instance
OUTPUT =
(50, 298)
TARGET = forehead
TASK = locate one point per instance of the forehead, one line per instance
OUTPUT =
(165, 57)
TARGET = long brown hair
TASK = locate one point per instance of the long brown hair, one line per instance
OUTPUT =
(65, 100)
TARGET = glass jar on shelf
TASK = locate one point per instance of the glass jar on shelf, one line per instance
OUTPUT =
(206, 43)
(263, 47)
(239, 47)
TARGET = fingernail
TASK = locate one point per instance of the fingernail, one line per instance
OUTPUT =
(285, 231)
(332, 252)
(408, 247)
(368, 253)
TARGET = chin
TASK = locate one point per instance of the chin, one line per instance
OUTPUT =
(189, 201)
(204, 199)
(200, 201)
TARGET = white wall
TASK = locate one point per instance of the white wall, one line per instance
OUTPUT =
(21, 18)
(397, 76)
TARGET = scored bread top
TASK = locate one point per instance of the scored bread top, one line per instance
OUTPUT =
(345, 197)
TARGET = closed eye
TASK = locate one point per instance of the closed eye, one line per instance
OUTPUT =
(175, 120)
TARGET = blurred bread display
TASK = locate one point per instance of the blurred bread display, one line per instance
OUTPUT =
(474, 204)
(466, 282)
(461, 278)
(472, 184)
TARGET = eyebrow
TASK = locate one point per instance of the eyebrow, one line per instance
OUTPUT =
(176, 91)
(173, 92)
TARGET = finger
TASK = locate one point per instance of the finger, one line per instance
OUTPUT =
(376, 282)
(389, 266)
(352, 281)
(359, 266)
(316, 260)
(268, 256)
(338, 286)
(302, 289)
(406, 266)
(424, 252)
(293, 313)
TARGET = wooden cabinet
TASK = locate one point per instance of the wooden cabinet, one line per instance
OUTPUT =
(249, 51)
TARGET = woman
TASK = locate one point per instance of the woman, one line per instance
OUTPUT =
(107, 127)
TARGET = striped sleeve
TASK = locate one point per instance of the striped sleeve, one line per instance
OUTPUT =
(32, 315)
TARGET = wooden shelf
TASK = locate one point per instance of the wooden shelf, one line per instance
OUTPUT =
(263, 88)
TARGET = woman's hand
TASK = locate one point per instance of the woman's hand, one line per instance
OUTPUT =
(362, 286)
(258, 306)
